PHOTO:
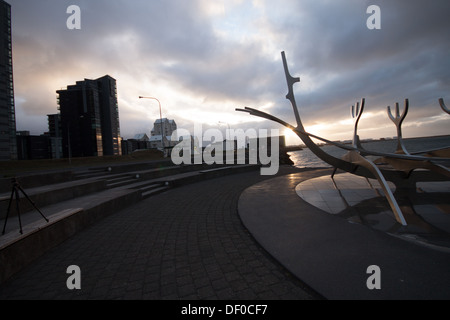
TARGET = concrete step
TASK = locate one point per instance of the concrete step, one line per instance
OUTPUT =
(120, 180)
(152, 191)
(151, 186)
(86, 175)
(120, 183)
(148, 188)
(117, 179)
(69, 216)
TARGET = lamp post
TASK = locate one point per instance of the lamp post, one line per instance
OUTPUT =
(160, 119)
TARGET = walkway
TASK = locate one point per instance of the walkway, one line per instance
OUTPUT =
(185, 243)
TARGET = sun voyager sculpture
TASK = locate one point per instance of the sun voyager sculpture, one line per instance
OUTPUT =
(402, 168)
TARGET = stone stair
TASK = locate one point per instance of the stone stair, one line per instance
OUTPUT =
(153, 188)
(85, 198)
(121, 180)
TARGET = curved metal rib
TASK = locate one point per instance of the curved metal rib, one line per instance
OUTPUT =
(300, 130)
(398, 120)
(290, 95)
(402, 163)
(443, 106)
(437, 152)
(356, 158)
(409, 166)
(305, 136)
(356, 115)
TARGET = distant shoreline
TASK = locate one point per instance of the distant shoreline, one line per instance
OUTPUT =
(302, 146)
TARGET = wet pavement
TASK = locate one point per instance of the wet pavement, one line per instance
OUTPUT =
(360, 200)
(335, 254)
(185, 243)
(246, 237)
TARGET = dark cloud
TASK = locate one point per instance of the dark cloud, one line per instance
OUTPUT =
(407, 58)
(176, 46)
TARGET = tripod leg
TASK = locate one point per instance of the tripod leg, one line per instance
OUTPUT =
(32, 202)
(18, 209)
(7, 212)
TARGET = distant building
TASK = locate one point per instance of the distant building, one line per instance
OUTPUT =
(55, 135)
(44, 146)
(54, 125)
(156, 141)
(140, 141)
(90, 118)
(8, 144)
(125, 146)
(162, 131)
(164, 124)
(31, 147)
(141, 137)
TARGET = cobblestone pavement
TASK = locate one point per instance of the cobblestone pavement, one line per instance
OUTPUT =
(186, 243)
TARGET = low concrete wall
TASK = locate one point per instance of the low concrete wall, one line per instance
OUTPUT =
(20, 250)
(36, 180)
(49, 196)
(127, 167)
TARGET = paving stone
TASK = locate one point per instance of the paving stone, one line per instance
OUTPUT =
(185, 243)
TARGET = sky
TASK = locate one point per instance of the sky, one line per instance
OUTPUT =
(202, 59)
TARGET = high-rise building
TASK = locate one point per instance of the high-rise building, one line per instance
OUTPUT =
(90, 118)
(109, 114)
(8, 145)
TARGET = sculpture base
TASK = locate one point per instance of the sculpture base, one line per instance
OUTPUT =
(361, 200)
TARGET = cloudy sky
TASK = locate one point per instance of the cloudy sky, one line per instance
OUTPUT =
(204, 58)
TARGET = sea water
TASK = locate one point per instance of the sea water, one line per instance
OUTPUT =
(307, 159)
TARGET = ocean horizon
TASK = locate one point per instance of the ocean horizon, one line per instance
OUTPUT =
(305, 158)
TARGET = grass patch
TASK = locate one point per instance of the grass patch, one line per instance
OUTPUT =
(15, 167)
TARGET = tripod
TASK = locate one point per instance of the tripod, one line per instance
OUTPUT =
(15, 191)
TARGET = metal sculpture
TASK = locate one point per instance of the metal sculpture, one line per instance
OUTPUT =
(398, 120)
(443, 106)
(399, 167)
(356, 115)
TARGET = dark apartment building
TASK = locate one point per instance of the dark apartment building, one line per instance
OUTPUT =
(8, 146)
(90, 118)
(55, 135)
(31, 147)
(54, 125)
(45, 146)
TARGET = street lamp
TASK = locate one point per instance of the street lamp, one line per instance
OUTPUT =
(160, 118)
